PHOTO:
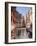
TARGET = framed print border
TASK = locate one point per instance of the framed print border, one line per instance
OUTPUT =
(6, 22)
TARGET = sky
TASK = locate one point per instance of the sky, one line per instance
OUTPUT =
(23, 10)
